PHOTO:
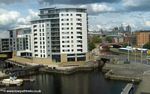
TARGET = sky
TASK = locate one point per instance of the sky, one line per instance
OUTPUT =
(102, 14)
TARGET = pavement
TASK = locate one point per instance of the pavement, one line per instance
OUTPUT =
(144, 86)
(136, 70)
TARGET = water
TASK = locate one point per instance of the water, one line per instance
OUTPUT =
(78, 83)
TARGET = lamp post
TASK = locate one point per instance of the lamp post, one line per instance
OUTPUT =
(135, 55)
(142, 53)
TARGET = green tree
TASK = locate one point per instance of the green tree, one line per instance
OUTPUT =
(109, 39)
(96, 39)
(146, 45)
(91, 46)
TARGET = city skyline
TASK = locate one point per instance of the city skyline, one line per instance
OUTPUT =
(104, 14)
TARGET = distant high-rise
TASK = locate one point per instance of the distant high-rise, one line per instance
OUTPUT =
(121, 28)
(60, 34)
(128, 28)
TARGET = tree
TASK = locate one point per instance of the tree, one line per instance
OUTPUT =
(91, 46)
(109, 39)
(147, 45)
(96, 39)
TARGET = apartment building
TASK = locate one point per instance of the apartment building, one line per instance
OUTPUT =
(142, 37)
(60, 34)
(5, 45)
(20, 40)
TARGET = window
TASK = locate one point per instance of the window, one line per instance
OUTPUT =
(35, 50)
(79, 37)
(79, 45)
(78, 19)
(78, 15)
(79, 28)
(79, 50)
(79, 24)
(35, 42)
(79, 33)
(34, 26)
(79, 41)
(35, 34)
(35, 38)
(35, 30)
(36, 54)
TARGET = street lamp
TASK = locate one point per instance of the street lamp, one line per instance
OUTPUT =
(142, 53)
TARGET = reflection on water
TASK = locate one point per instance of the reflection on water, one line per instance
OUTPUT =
(78, 83)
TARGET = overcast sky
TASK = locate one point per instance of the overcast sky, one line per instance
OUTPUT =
(102, 13)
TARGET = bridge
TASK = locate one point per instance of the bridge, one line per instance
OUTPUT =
(129, 89)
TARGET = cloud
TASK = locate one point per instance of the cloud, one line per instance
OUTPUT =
(147, 23)
(8, 18)
(10, 1)
(136, 5)
(74, 2)
(97, 8)
(31, 16)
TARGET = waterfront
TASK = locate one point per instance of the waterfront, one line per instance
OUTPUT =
(77, 83)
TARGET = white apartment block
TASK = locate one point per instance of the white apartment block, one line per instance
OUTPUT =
(5, 45)
(60, 34)
(20, 41)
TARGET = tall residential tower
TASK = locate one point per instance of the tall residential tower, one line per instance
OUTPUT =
(60, 34)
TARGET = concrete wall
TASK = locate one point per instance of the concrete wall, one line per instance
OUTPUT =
(64, 58)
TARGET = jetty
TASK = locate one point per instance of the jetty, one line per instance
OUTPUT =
(129, 89)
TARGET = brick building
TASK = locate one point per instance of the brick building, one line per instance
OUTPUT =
(142, 37)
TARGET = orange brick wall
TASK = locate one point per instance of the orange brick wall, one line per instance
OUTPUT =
(142, 38)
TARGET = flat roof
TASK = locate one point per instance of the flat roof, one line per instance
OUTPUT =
(54, 8)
